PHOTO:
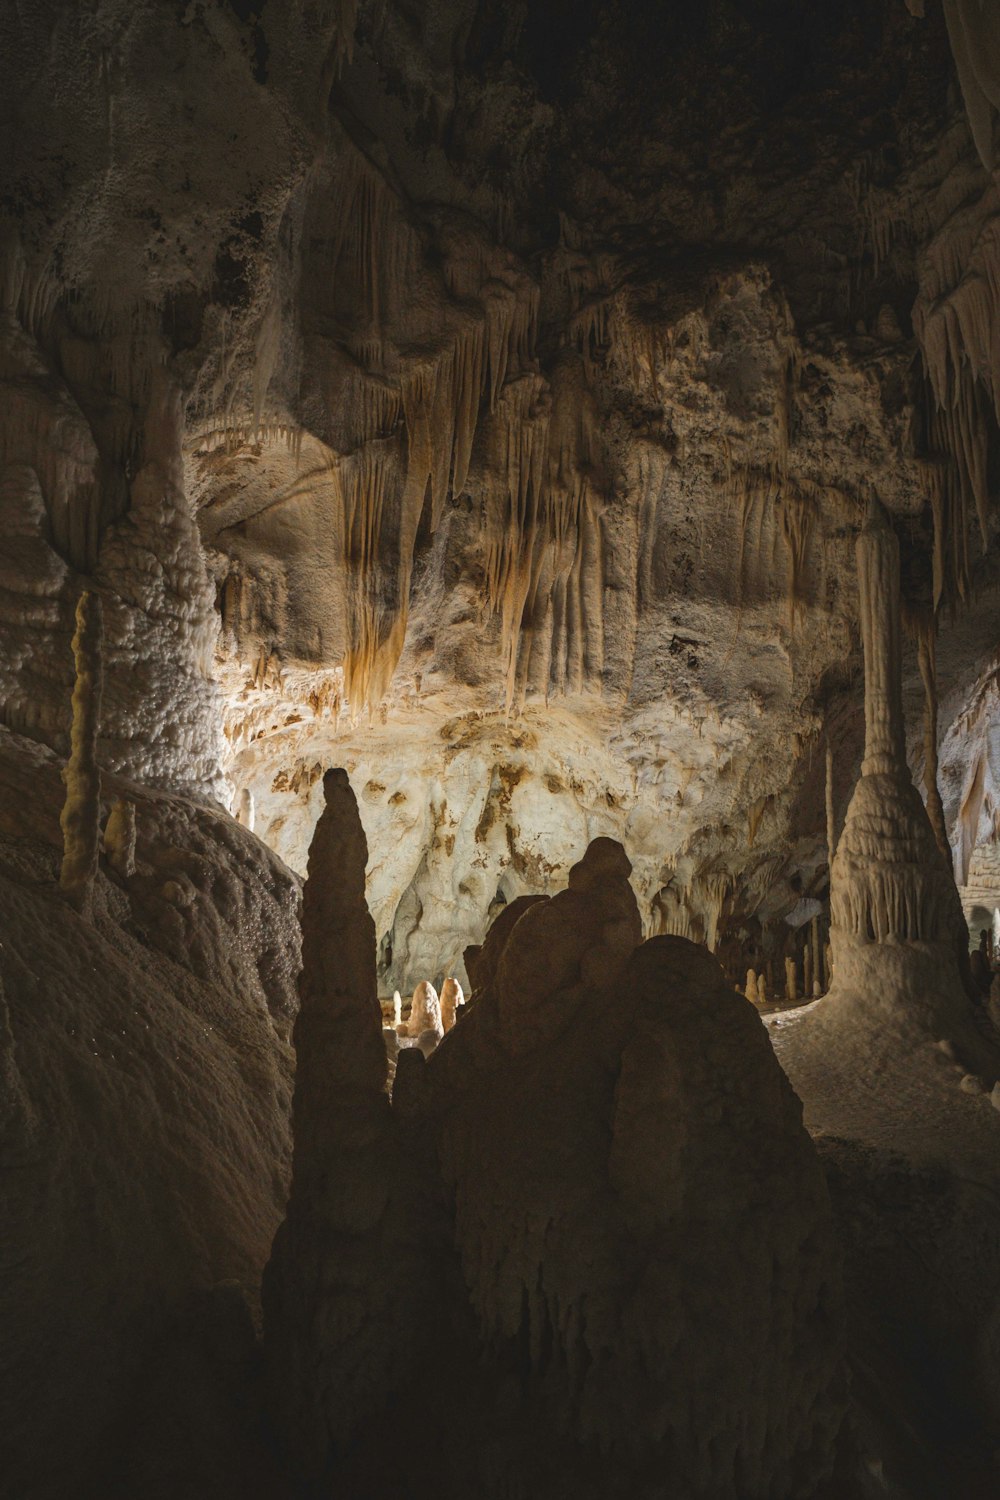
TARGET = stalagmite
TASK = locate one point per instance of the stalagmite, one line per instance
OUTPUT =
(791, 983)
(119, 837)
(807, 968)
(751, 989)
(536, 1207)
(452, 1000)
(80, 818)
(244, 811)
(397, 1008)
(341, 1167)
(817, 955)
(425, 1011)
(897, 931)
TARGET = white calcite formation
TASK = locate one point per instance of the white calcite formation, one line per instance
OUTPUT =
(592, 1163)
(452, 1001)
(425, 1011)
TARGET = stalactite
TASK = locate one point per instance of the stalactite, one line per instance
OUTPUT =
(376, 608)
(753, 490)
(80, 817)
(928, 671)
(378, 247)
(713, 891)
(544, 569)
(797, 516)
(974, 33)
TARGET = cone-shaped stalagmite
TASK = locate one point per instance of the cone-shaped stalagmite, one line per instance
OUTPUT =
(337, 1322)
(80, 818)
(896, 920)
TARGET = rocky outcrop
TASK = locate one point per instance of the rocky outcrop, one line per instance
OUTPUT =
(338, 1315)
(145, 1088)
(618, 1256)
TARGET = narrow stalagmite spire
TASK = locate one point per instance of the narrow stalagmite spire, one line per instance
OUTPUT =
(81, 813)
(791, 981)
(928, 671)
(878, 583)
(340, 1055)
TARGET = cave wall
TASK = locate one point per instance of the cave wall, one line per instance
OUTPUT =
(397, 377)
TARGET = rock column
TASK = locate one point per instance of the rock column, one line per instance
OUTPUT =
(878, 583)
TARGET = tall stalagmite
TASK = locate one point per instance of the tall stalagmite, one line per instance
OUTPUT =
(897, 928)
(336, 1289)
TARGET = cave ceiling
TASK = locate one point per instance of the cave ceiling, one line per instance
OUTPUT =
(486, 398)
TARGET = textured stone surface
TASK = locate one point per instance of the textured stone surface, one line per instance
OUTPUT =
(382, 416)
(626, 1272)
(145, 1079)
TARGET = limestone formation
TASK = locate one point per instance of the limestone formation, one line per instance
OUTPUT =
(484, 398)
(244, 810)
(896, 924)
(145, 1090)
(791, 981)
(119, 837)
(604, 1267)
(452, 1001)
(334, 1352)
(80, 818)
(425, 1012)
(580, 939)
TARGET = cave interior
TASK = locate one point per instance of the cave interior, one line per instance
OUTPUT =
(500, 750)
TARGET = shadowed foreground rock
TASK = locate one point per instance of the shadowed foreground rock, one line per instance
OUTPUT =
(588, 1249)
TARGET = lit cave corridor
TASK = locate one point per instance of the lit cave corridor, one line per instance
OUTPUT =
(500, 750)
